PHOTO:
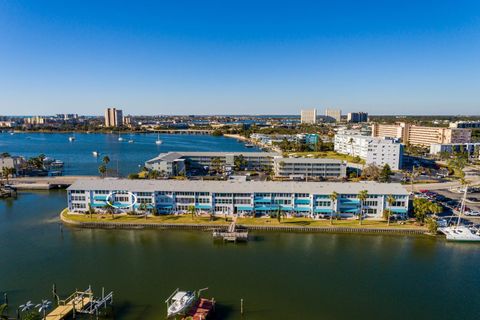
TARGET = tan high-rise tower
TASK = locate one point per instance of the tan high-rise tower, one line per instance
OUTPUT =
(113, 117)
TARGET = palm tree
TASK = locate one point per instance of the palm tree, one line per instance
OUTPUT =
(390, 200)
(333, 199)
(91, 210)
(109, 210)
(143, 207)
(102, 169)
(105, 161)
(191, 210)
(362, 196)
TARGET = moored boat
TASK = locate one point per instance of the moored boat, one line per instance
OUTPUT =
(180, 302)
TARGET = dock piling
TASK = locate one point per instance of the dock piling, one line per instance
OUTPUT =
(241, 306)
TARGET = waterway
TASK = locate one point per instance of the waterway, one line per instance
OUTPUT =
(125, 156)
(279, 275)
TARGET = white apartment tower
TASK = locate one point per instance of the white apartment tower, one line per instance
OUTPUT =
(378, 151)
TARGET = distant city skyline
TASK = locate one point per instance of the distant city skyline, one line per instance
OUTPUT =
(268, 57)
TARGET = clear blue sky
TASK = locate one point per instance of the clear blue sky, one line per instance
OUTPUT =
(239, 57)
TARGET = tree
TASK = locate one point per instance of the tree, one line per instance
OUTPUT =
(333, 199)
(153, 174)
(143, 208)
(390, 200)
(192, 211)
(432, 225)
(109, 210)
(362, 196)
(423, 207)
(240, 162)
(102, 169)
(411, 175)
(385, 174)
(216, 164)
(371, 172)
(91, 210)
(106, 160)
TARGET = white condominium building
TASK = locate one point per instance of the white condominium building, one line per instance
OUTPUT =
(376, 151)
(253, 198)
(308, 116)
(309, 168)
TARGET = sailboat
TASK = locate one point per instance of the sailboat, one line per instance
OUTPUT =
(119, 137)
(460, 232)
(158, 141)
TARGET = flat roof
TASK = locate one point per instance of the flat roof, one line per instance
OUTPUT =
(173, 155)
(238, 186)
(309, 160)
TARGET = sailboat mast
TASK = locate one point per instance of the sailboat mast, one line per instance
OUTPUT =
(462, 206)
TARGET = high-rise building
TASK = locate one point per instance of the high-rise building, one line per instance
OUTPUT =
(378, 151)
(334, 114)
(356, 117)
(420, 135)
(308, 116)
(113, 117)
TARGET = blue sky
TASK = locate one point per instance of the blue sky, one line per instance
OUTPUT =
(239, 57)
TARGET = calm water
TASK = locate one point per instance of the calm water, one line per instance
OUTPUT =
(280, 275)
(78, 156)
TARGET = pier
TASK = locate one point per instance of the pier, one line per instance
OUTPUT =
(232, 234)
(82, 302)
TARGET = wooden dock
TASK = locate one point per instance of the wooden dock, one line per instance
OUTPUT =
(63, 311)
(201, 309)
(232, 234)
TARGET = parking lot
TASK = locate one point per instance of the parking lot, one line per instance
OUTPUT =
(451, 200)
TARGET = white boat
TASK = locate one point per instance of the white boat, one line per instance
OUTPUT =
(57, 163)
(130, 141)
(179, 302)
(120, 138)
(71, 138)
(460, 233)
(158, 141)
(95, 153)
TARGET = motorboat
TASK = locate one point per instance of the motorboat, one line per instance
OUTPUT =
(460, 233)
(57, 163)
(180, 302)
(71, 138)
(95, 153)
(130, 141)
(120, 138)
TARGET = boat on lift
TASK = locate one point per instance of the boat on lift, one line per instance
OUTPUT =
(180, 302)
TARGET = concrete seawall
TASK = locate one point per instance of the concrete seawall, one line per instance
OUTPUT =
(208, 227)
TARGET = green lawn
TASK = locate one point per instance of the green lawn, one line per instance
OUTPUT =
(188, 219)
